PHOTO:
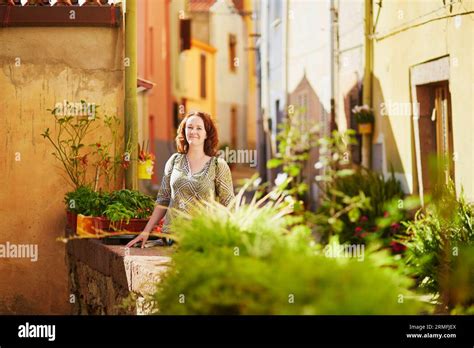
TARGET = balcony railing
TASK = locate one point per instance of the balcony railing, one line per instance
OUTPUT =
(58, 2)
(60, 13)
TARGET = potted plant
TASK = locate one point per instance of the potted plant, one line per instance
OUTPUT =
(146, 162)
(126, 210)
(86, 203)
(364, 117)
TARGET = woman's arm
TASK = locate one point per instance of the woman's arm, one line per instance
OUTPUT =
(162, 200)
(157, 215)
(223, 182)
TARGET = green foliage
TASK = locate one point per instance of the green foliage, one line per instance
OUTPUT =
(373, 185)
(117, 205)
(256, 259)
(140, 204)
(355, 203)
(363, 114)
(117, 212)
(333, 165)
(438, 236)
(458, 286)
(86, 201)
(295, 140)
(76, 156)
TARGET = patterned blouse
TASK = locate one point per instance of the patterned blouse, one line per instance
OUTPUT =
(179, 188)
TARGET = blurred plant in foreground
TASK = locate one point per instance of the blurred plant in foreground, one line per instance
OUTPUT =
(255, 259)
(440, 240)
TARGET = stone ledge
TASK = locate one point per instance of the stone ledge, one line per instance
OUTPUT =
(93, 264)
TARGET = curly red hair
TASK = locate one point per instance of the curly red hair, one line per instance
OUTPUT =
(212, 139)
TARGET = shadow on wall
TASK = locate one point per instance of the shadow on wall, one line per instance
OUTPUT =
(352, 98)
(383, 138)
(305, 97)
(384, 143)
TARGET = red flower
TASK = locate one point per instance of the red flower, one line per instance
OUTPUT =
(385, 214)
(364, 218)
(98, 145)
(397, 247)
(125, 161)
(395, 226)
(83, 160)
(358, 230)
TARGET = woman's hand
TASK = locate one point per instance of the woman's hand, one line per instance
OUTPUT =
(143, 237)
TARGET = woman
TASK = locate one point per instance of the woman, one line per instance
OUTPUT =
(193, 173)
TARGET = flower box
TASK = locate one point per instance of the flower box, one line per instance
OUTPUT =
(71, 222)
(134, 225)
(145, 169)
(365, 128)
(85, 226)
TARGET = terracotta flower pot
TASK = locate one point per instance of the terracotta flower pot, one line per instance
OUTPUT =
(85, 226)
(365, 128)
(105, 225)
(71, 222)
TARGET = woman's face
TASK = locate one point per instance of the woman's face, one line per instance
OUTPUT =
(195, 131)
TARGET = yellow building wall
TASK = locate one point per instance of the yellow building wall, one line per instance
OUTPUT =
(252, 79)
(55, 64)
(178, 9)
(192, 72)
(393, 57)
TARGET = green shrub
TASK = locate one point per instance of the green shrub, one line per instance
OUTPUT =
(116, 212)
(374, 186)
(86, 201)
(438, 237)
(252, 259)
(139, 203)
(122, 203)
(372, 193)
(458, 287)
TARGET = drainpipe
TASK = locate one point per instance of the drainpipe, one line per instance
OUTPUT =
(367, 84)
(286, 45)
(334, 58)
(131, 108)
(261, 134)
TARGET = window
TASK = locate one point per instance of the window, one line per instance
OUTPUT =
(203, 76)
(436, 134)
(232, 53)
(233, 127)
(277, 111)
(184, 34)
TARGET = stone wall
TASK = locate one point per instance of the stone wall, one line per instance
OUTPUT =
(104, 279)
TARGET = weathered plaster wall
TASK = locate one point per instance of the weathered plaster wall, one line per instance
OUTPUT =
(38, 68)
